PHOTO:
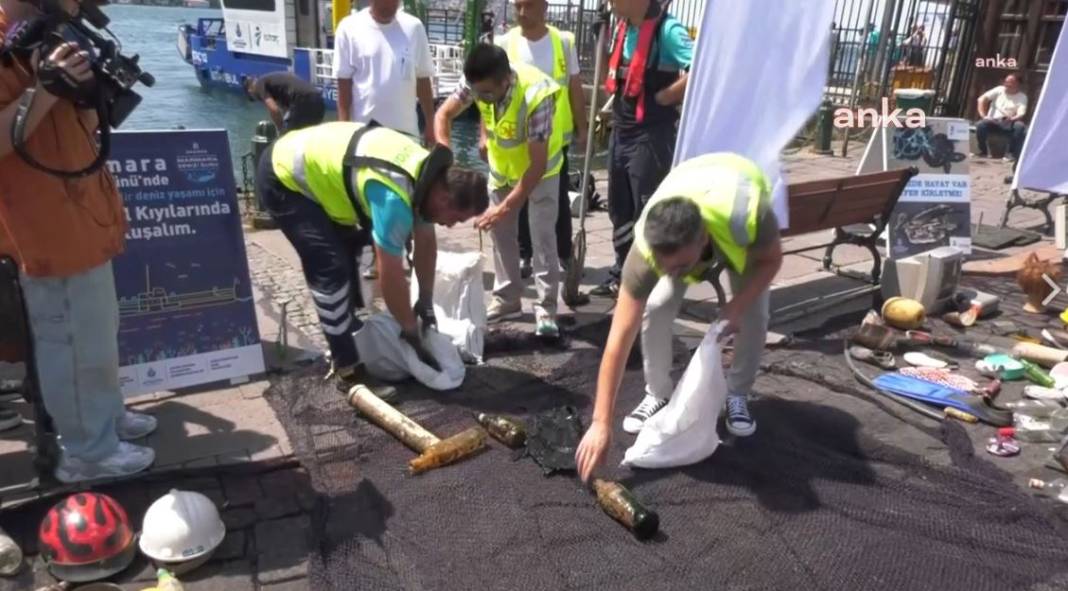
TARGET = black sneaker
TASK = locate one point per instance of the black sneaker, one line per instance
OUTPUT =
(739, 423)
(649, 406)
(344, 379)
(608, 289)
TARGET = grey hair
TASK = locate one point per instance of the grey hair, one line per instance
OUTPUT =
(672, 224)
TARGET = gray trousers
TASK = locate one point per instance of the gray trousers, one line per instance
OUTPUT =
(75, 326)
(542, 211)
(660, 312)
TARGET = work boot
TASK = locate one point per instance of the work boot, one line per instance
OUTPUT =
(739, 423)
(649, 406)
(499, 310)
(134, 425)
(128, 459)
(347, 377)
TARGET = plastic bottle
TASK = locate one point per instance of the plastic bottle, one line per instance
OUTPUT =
(618, 502)
(1039, 409)
(1056, 489)
(508, 431)
(1036, 374)
(10, 555)
(165, 581)
(1048, 429)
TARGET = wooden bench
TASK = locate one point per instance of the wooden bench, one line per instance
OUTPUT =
(857, 208)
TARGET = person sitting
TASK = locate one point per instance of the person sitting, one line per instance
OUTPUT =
(1002, 110)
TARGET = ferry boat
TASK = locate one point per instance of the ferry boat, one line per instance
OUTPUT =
(257, 37)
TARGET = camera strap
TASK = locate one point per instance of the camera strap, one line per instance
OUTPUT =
(18, 138)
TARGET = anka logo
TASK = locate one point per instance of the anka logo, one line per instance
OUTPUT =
(914, 118)
(996, 62)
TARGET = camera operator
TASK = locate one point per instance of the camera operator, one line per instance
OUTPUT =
(63, 233)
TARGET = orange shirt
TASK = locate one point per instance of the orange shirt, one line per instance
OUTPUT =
(56, 227)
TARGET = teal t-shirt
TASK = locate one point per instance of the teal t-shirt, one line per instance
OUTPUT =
(676, 46)
(391, 218)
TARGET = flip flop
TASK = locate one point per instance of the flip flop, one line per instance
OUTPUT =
(883, 359)
(1036, 392)
(918, 359)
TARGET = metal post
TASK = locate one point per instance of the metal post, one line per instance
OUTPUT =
(856, 77)
(947, 34)
(884, 39)
(888, 65)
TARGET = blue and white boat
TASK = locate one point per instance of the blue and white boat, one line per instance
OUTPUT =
(257, 37)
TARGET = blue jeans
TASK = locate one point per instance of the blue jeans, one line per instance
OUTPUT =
(75, 326)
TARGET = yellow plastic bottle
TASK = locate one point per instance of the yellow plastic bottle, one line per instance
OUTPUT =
(165, 581)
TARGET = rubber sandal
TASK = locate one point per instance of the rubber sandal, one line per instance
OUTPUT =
(883, 359)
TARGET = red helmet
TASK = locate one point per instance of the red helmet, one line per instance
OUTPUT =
(86, 537)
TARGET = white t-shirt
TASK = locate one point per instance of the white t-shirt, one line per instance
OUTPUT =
(540, 53)
(1004, 105)
(383, 62)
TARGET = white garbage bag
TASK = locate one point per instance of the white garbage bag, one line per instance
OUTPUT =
(459, 301)
(684, 431)
(388, 357)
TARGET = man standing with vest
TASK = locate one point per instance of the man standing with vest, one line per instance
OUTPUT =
(553, 52)
(650, 56)
(328, 186)
(525, 148)
(712, 209)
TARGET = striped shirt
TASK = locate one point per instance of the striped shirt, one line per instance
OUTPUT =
(539, 120)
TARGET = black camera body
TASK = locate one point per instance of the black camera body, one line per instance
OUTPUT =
(110, 92)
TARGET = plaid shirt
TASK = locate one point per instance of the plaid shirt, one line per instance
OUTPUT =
(539, 121)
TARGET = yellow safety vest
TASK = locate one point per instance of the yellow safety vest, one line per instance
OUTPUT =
(729, 190)
(562, 117)
(312, 161)
(506, 138)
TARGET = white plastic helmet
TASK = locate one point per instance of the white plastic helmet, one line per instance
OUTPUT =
(181, 526)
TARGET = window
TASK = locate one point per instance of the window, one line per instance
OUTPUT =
(1053, 15)
(1010, 38)
(1015, 8)
(261, 5)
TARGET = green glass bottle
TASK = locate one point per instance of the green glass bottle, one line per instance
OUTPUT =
(506, 430)
(618, 502)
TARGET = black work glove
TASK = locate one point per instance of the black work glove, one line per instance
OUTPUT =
(416, 341)
(424, 311)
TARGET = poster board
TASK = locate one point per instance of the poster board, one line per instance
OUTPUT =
(935, 208)
(186, 315)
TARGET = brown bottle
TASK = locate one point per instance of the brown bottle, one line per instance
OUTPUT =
(508, 431)
(449, 450)
(618, 502)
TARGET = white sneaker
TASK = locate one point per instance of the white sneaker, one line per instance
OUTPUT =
(499, 310)
(650, 405)
(134, 425)
(126, 460)
(739, 423)
(9, 419)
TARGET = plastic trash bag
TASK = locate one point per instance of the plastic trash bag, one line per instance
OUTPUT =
(684, 431)
(388, 357)
(553, 439)
(459, 301)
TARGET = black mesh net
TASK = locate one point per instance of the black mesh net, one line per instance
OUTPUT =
(816, 499)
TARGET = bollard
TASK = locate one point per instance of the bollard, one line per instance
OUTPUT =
(824, 128)
(265, 134)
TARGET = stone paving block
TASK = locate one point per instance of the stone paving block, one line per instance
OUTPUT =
(241, 518)
(277, 505)
(232, 547)
(241, 491)
(235, 575)
(292, 482)
(283, 549)
(297, 585)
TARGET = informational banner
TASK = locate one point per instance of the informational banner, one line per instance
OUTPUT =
(935, 208)
(186, 315)
(256, 26)
(1044, 158)
(748, 97)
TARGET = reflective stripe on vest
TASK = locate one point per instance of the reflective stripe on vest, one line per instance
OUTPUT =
(310, 161)
(506, 137)
(562, 117)
(729, 190)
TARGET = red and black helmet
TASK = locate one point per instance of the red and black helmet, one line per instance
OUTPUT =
(86, 537)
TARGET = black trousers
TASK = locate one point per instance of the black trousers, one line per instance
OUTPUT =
(1017, 131)
(328, 255)
(637, 163)
(303, 114)
(563, 221)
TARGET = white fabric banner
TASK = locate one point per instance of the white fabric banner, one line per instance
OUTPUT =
(758, 74)
(1044, 159)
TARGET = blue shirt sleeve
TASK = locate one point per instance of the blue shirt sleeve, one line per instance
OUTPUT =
(391, 217)
(676, 46)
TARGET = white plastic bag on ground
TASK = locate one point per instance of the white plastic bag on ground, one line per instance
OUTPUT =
(388, 357)
(684, 431)
(459, 301)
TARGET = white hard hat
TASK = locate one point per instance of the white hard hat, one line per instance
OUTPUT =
(181, 526)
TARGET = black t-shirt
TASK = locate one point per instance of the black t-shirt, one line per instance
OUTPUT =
(286, 89)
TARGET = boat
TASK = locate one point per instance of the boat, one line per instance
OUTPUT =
(257, 37)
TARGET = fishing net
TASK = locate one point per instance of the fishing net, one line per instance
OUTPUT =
(832, 492)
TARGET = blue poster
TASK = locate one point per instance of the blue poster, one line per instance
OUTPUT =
(186, 314)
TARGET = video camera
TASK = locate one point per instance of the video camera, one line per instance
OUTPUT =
(114, 74)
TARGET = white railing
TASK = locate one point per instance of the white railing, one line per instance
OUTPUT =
(448, 67)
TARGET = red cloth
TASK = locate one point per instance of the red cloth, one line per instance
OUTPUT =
(635, 80)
